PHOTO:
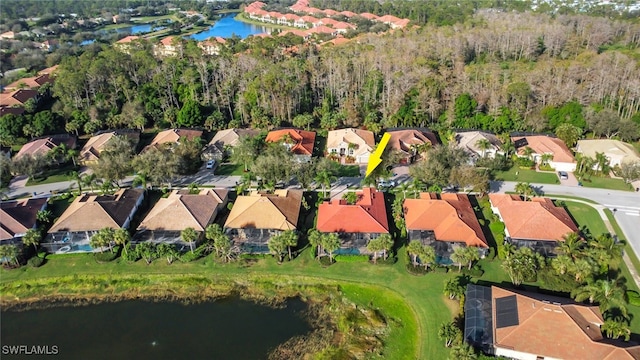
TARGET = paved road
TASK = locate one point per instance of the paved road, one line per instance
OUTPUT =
(626, 203)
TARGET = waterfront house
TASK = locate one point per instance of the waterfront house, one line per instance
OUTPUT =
(17, 217)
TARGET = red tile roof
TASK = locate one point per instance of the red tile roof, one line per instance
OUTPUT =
(451, 218)
(30, 82)
(304, 140)
(369, 16)
(542, 144)
(368, 215)
(127, 39)
(348, 13)
(17, 97)
(538, 219)
(552, 327)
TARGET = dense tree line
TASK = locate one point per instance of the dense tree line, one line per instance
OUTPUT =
(539, 74)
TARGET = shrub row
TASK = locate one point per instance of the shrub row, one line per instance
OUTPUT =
(351, 258)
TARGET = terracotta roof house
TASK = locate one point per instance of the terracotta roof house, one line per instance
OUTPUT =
(180, 210)
(256, 13)
(350, 145)
(402, 23)
(287, 19)
(305, 21)
(348, 14)
(537, 224)
(337, 41)
(411, 143)
(7, 35)
(40, 147)
(616, 151)
(444, 223)
(322, 30)
(89, 213)
(17, 97)
(342, 27)
(169, 46)
(301, 33)
(18, 216)
(330, 12)
(91, 150)
(299, 142)
(173, 136)
(212, 45)
(326, 21)
(562, 160)
(32, 82)
(49, 70)
(4, 110)
(471, 142)
(522, 325)
(369, 16)
(357, 223)
(256, 217)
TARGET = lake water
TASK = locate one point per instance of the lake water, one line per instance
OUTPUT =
(224, 329)
(139, 29)
(227, 26)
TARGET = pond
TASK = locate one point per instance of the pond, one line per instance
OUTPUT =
(139, 29)
(227, 26)
(224, 329)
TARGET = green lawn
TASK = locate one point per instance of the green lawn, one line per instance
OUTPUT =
(607, 183)
(230, 169)
(585, 215)
(627, 248)
(53, 176)
(526, 175)
(349, 171)
(415, 305)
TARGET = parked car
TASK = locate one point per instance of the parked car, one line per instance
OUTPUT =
(211, 164)
(382, 183)
(563, 175)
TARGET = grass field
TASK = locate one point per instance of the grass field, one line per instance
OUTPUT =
(230, 169)
(526, 175)
(607, 183)
(415, 303)
(52, 176)
(349, 171)
(585, 215)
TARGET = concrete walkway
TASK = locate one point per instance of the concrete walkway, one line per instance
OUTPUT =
(600, 209)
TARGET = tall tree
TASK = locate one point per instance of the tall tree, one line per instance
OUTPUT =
(568, 133)
(32, 238)
(190, 236)
(609, 294)
(449, 332)
(330, 243)
(522, 264)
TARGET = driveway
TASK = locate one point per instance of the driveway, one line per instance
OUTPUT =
(571, 181)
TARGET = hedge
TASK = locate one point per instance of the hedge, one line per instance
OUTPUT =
(351, 258)
(35, 261)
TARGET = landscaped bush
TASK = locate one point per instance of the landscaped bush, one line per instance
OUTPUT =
(551, 280)
(190, 256)
(416, 270)
(351, 258)
(389, 261)
(106, 256)
(35, 261)
(252, 256)
(130, 254)
(474, 272)
(634, 298)
(492, 254)
(325, 261)
(441, 269)
(525, 163)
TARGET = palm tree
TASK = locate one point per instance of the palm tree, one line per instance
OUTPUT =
(76, 176)
(612, 248)
(609, 294)
(121, 237)
(528, 152)
(416, 186)
(386, 242)
(572, 246)
(484, 145)
(73, 155)
(167, 251)
(32, 237)
(460, 256)
(9, 254)
(448, 332)
(524, 189)
(189, 235)
(463, 351)
(471, 255)
(89, 180)
(403, 187)
(562, 264)
(507, 146)
(44, 217)
(602, 162)
(315, 239)
(428, 256)
(583, 269)
(331, 243)
(141, 179)
(278, 246)
(414, 249)
(374, 246)
(614, 329)
(324, 178)
(290, 239)
(545, 158)
(193, 188)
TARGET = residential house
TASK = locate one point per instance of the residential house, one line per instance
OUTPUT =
(350, 145)
(223, 142)
(562, 159)
(255, 218)
(444, 223)
(180, 210)
(8, 35)
(527, 326)
(90, 152)
(49, 45)
(356, 224)
(348, 14)
(412, 144)
(305, 21)
(17, 217)
(616, 151)
(478, 144)
(88, 214)
(49, 71)
(270, 17)
(326, 21)
(299, 142)
(169, 46)
(42, 146)
(127, 43)
(256, 13)
(388, 19)
(173, 137)
(400, 24)
(301, 33)
(369, 16)
(538, 224)
(18, 98)
(330, 12)
(342, 27)
(322, 30)
(212, 45)
(287, 19)
(32, 82)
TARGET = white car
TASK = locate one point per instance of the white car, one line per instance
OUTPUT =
(382, 183)
(211, 164)
(563, 175)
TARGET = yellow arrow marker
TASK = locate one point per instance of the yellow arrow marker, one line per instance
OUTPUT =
(376, 157)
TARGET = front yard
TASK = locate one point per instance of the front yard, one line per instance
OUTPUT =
(526, 175)
(607, 183)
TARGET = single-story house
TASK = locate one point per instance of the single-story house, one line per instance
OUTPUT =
(474, 142)
(181, 210)
(616, 151)
(350, 145)
(528, 326)
(412, 144)
(357, 223)
(562, 160)
(42, 146)
(96, 144)
(17, 98)
(32, 82)
(299, 142)
(444, 223)
(17, 217)
(212, 45)
(173, 136)
(538, 224)
(89, 213)
(255, 218)
(229, 138)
